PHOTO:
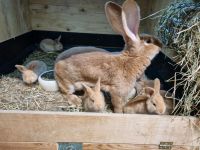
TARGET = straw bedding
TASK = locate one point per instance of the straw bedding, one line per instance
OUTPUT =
(15, 95)
(179, 29)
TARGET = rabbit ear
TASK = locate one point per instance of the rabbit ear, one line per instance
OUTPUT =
(97, 87)
(87, 89)
(157, 85)
(32, 66)
(149, 91)
(113, 14)
(21, 68)
(137, 99)
(131, 19)
(58, 39)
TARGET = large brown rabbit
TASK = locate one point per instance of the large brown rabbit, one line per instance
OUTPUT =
(118, 72)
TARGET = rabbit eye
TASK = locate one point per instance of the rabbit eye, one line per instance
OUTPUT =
(92, 100)
(154, 104)
(148, 41)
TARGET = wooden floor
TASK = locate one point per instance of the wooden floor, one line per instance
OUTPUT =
(20, 130)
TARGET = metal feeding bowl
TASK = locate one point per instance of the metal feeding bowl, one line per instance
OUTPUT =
(47, 81)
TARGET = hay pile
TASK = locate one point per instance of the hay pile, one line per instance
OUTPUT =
(15, 95)
(179, 29)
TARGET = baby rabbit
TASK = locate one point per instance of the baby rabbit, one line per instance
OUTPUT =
(93, 98)
(32, 70)
(150, 103)
(145, 82)
(49, 45)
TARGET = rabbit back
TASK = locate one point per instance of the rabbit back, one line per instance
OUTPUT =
(47, 45)
(77, 50)
(37, 66)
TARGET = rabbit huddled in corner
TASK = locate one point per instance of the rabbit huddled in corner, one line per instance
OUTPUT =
(145, 82)
(49, 45)
(151, 102)
(32, 70)
(119, 72)
(93, 99)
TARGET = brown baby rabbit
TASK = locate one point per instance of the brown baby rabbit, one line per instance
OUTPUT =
(145, 82)
(49, 45)
(32, 70)
(93, 98)
(150, 103)
(118, 72)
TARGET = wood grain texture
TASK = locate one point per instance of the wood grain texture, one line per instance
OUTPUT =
(85, 16)
(14, 18)
(68, 15)
(25, 126)
(28, 146)
(92, 146)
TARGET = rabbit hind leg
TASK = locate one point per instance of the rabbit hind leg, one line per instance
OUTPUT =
(68, 89)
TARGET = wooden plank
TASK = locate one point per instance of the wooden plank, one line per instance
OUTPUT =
(26, 126)
(77, 14)
(14, 18)
(71, 2)
(92, 146)
(28, 146)
(88, 16)
(70, 16)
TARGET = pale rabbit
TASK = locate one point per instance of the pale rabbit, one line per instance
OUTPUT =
(151, 102)
(118, 72)
(49, 45)
(32, 70)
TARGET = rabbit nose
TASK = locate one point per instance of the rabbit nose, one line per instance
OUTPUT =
(161, 111)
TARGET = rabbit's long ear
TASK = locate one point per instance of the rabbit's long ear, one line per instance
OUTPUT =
(21, 68)
(113, 14)
(157, 85)
(97, 87)
(58, 39)
(149, 91)
(131, 19)
(32, 66)
(87, 89)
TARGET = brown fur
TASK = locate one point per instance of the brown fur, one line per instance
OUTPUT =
(93, 99)
(151, 102)
(140, 88)
(118, 72)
